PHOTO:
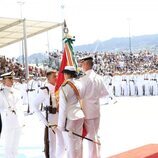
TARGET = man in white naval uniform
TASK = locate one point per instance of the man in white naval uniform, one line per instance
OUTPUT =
(125, 84)
(139, 83)
(153, 83)
(108, 84)
(146, 83)
(46, 96)
(116, 82)
(0, 124)
(0, 113)
(70, 113)
(29, 92)
(10, 102)
(91, 91)
(132, 84)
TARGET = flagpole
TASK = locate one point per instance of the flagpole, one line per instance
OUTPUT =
(62, 6)
(129, 34)
(63, 38)
(65, 31)
(21, 4)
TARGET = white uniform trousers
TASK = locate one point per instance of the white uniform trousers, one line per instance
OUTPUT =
(52, 137)
(60, 144)
(52, 144)
(12, 132)
(117, 91)
(74, 143)
(12, 137)
(132, 88)
(146, 88)
(139, 86)
(92, 126)
(153, 88)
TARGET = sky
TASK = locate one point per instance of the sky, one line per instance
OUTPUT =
(87, 20)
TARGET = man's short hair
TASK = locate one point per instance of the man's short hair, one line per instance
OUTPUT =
(50, 71)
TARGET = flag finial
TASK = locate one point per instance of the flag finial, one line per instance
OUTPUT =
(65, 29)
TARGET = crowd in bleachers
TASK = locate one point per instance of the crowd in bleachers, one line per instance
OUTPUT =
(7, 65)
(106, 62)
(126, 73)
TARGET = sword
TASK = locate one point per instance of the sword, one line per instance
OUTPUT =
(78, 135)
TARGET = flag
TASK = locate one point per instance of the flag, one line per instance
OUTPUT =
(68, 59)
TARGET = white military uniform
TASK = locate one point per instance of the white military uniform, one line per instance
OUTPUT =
(44, 97)
(30, 92)
(108, 84)
(10, 102)
(70, 120)
(0, 124)
(116, 82)
(1, 85)
(139, 84)
(28, 89)
(131, 85)
(153, 84)
(146, 84)
(92, 90)
(125, 85)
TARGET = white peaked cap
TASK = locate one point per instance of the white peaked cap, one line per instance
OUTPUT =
(69, 68)
(7, 74)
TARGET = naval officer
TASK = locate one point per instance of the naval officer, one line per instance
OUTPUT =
(47, 97)
(10, 102)
(92, 90)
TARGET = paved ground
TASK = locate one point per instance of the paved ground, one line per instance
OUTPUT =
(31, 143)
(130, 123)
